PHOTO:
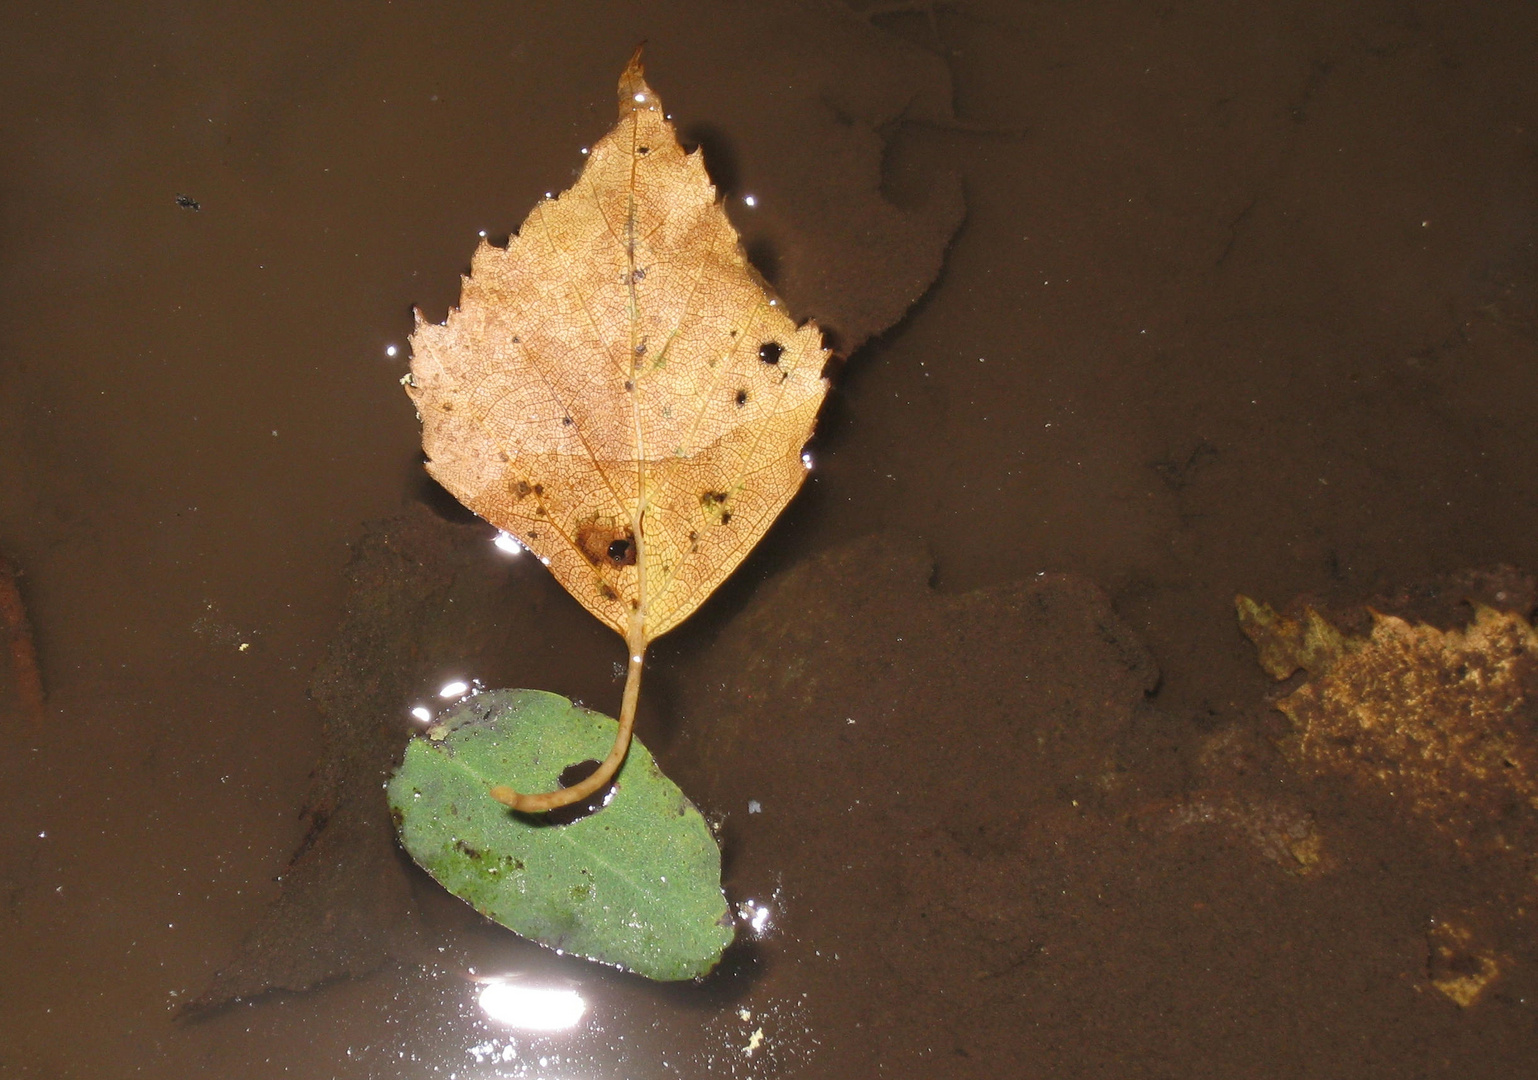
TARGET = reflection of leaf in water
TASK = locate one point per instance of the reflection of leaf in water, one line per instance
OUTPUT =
(620, 391)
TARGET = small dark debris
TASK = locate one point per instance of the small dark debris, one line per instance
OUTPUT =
(187, 202)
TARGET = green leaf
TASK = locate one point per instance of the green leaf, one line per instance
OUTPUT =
(636, 884)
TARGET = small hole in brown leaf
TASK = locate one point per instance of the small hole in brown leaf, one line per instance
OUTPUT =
(602, 543)
(742, 397)
(770, 352)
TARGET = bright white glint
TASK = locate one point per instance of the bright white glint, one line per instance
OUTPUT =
(751, 200)
(507, 543)
(531, 1008)
(806, 460)
(756, 915)
(391, 350)
(422, 713)
(482, 232)
(640, 97)
(457, 688)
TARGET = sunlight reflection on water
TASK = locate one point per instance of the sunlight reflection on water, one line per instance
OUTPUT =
(531, 1008)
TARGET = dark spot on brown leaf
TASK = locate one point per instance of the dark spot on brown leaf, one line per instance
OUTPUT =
(606, 544)
(742, 397)
(770, 352)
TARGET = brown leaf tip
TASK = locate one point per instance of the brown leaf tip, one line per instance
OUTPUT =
(634, 94)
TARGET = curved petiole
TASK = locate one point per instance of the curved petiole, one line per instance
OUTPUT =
(550, 800)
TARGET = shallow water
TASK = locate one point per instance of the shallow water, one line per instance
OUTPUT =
(1242, 302)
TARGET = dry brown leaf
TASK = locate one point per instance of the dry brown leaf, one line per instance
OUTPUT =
(619, 390)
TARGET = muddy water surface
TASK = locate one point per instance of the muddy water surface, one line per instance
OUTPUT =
(1235, 301)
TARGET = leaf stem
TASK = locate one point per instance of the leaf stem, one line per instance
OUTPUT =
(550, 800)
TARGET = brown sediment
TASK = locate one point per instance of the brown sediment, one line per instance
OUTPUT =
(22, 647)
